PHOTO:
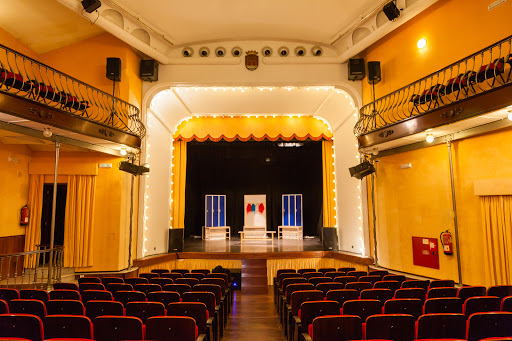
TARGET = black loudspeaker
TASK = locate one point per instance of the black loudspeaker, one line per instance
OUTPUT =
(148, 70)
(355, 69)
(361, 170)
(91, 5)
(175, 240)
(114, 69)
(374, 75)
(391, 11)
(132, 168)
(330, 238)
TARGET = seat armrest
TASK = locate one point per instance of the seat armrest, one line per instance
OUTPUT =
(305, 337)
(201, 337)
(210, 320)
(297, 320)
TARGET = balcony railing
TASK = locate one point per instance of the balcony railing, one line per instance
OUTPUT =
(483, 71)
(25, 77)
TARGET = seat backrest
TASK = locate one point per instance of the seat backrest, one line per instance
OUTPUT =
(8, 294)
(149, 275)
(91, 286)
(22, 326)
(108, 280)
(416, 283)
(398, 278)
(179, 288)
(326, 287)
(316, 280)
(67, 326)
(189, 281)
(418, 293)
(171, 328)
(442, 292)
(214, 288)
(397, 327)
(411, 306)
(196, 275)
(362, 308)
(293, 280)
(201, 271)
(342, 295)
(359, 286)
(506, 304)
(334, 274)
(391, 285)
(96, 295)
(325, 270)
(371, 279)
(94, 309)
(441, 326)
(284, 275)
(345, 279)
(196, 310)
(34, 294)
(222, 275)
(164, 297)
(24, 306)
(181, 271)
(172, 275)
(308, 275)
(4, 307)
(108, 328)
(161, 281)
(483, 325)
(442, 283)
(309, 310)
(115, 287)
(219, 281)
(345, 269)
(443, 305)
(136, 280)
(126, 297)
(290, 289)
(339, 328)
(65, 307)
(471, 291)
(302, 271)
(357, 274)
(500, 291)
(147, 288)
(481, 304)
(65, 286)
(64, 294)
(299, 297)
(83, 280)
(208, 298)
(284, 271)
(380, 273)
(377, 294)
(145, 310)
(160, 271)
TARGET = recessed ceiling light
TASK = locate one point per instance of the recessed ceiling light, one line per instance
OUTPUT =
(421, 43)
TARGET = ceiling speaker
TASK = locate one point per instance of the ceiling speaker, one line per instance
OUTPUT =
(361, 170)
(391, 11)
(91, 5)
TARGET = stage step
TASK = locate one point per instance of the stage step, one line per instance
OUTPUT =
(254, 276)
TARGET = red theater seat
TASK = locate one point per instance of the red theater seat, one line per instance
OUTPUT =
(171, 328)
(23, 326)
(67, 326)
(113, 328)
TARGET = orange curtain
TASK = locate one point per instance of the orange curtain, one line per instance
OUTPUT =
(329, 195)
(79, 221)
(179, 176)
(35, 205)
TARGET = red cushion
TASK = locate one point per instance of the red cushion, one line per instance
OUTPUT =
(310, 330)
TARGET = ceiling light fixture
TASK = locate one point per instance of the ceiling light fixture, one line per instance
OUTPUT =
(123, 151)
(421, 43)
(430, 138)
(47, 132)
(510, 115)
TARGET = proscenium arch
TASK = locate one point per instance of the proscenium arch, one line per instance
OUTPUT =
(351, 204)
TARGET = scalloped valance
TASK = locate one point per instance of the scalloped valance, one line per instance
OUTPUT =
(245, 128)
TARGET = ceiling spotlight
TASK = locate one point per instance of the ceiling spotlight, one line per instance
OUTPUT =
(421, 43)
(47, 132)
(510, 115)
(430, 138)
(123, 151)
(91, 5)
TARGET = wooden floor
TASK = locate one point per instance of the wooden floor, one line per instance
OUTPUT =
(254, 318)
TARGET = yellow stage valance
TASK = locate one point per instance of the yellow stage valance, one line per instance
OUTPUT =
(245, 128)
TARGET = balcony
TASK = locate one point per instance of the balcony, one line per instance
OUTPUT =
(470, 87)
(38, 93)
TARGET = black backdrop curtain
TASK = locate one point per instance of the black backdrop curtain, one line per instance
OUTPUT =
(238, 168)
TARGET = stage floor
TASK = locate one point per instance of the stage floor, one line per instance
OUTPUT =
(235, 246)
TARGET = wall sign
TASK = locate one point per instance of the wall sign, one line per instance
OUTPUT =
(425, 252)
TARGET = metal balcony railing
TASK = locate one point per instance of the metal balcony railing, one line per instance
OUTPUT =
(485, 70)
(25, 77)
(32, 269)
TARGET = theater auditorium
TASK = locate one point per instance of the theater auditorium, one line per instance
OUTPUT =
(284, 170)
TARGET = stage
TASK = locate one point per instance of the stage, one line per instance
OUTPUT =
(252, 246)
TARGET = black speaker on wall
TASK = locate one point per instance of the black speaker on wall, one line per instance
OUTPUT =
(374, 75)
(361, 170)
(114, 69)
(175, 240)
(330, 238)
(391, 11)
(355, 69)
(148, 70)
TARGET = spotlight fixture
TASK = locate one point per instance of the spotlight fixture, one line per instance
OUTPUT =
(123, 151)
(361, 170)
(430, 138)
(47, 132)
(91, 5)
(421, 43)
(391, 11)
(509, 115)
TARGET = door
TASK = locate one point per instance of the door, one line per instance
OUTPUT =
(60, 212)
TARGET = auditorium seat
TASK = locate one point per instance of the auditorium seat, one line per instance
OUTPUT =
(309, 310)
(189, 281)
(181, 271)
(226, 294)
(506, 304)
(83, 280)
(346, 270)
(377, 294)
(164, 297)
(418, 293)
(342, 295)
(26, 326)
(285, 299)
(372, 279)
(202, 271)
(26, 306)
(91, 286)
(293, 280)
(65, 307)
(281, 290)
(334, 274)
(493, 324)
(147, 288)
(208, 299)
(149, 275)
(171, 275)
(441, 326)
(34, 294)
(108, 280)
(345, 279)
(296, 300)
(65, 286)
(442, 305)
(325, 270)
(442, 292)
(8, 294)
(441, 283)
(317, 280)
(415, 284)
(160, 271)
(161, 281)
(115, 287)
(396, 327)
(129, 296)
(339, 328)
(133, 281)
(179, 288)
(196, 275)
(362, 308)
(391, 285)
(217, 291)
(96, 295)
(490, 71)
(308, 275)
(197, 311)
(500, 291)
(302, 271)
(380, 273)
(471, 291)
(327, 286)
(145, 310)
(115, 328)
(481, 304)
(359, 286)
(94, 309)
(172, 328)
(411, 306)
(4, 307)
(398, 278)
(67, 326)
(64, 294)
(357, 274)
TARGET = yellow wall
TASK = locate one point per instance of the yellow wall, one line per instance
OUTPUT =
(14, 182)
(10, 41)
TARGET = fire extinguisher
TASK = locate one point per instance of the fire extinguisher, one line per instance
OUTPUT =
(446, 241)
(25, 214)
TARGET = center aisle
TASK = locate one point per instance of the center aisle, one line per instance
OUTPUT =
(253, 318)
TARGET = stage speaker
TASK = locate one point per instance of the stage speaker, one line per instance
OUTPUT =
(374, 75)
(148, 70)
(391, 11)
(355, 69)
(132, 168)
(175, 240)
(114, 69)
(361, 170)
(91, 5)
(330, 238)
